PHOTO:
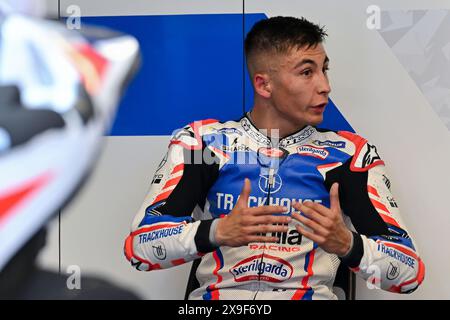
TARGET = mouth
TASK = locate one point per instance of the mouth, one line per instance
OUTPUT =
(319, 108)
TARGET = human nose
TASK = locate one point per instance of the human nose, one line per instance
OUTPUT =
(323, 85)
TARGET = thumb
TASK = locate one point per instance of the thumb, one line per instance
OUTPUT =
(245, 193)
(334, 197)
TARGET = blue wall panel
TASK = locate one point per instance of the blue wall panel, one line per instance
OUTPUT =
(192, 68)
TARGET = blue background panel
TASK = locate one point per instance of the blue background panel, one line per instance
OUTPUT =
(192, 69)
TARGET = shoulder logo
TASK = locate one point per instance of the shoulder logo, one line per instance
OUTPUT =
(229, 131)
(329, 143)
(317, 152)
(370, 156)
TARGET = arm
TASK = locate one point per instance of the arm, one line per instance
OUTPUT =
(382, 252)
(163, 233)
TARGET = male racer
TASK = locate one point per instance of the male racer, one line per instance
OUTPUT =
(271, 204)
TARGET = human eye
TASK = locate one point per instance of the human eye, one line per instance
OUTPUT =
(306, 72)
(325, 69)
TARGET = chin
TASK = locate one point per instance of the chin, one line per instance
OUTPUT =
(314, 121)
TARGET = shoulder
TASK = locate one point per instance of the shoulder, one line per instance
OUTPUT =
(364, 155)
(212, 126)
(191, 135)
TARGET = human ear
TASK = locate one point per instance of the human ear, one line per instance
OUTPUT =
(262, 85)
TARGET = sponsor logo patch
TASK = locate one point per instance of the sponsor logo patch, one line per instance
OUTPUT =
(387, 182)
(393, 271)
(329, 143)
(259, 137)
(238, 147)
(312, 151)
(392, 202)
(298, 137)
(229, 131)
(159, 234)
(159, 250)
(157, 178)
(370, 156)
(235, 146)
(400, 256)
(269, 269)
(271, 152)
(264, 183)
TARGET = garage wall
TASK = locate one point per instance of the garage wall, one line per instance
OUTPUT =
(390, 85)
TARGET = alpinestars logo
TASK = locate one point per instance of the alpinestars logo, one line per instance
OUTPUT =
(270, 269)
(370, 156)
(254, 134)
(298, 137)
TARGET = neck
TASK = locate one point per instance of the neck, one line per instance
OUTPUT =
(268, 118)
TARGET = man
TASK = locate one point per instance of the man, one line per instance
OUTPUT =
(268, 192)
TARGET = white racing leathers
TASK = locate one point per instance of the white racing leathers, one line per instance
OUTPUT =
(201, 177)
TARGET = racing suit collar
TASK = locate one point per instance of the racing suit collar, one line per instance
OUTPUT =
(260, 137)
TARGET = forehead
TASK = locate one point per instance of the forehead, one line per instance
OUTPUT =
(316, 53)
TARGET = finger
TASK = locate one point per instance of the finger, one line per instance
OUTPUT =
(265, 228)
(314, 215)
(269, 219)
(296, 205)
(263, 210)
(313, 237)
(262, 239)
(334, 197)
(314, 226)
(319, 208)
(245, 193)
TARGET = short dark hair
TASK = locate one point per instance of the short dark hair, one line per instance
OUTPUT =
(280, 34)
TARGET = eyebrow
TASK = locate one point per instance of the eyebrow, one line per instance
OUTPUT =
(305, 61)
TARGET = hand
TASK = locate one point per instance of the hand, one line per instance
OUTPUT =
(328, 228)
(243, 224)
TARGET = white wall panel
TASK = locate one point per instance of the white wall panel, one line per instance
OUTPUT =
(372, 90)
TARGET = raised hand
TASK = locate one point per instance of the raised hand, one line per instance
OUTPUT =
(245, 224)
(327, 225)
